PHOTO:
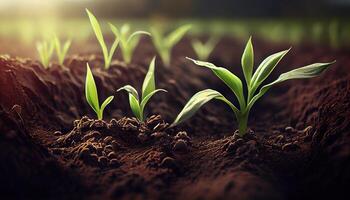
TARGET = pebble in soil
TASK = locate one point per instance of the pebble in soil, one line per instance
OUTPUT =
(97, 142)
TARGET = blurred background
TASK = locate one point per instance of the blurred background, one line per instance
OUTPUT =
(323, 22)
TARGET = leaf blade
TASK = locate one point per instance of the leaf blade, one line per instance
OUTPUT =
(149, 84)
(247, 61)
(197, 101)
(175, 36)
(91, 90)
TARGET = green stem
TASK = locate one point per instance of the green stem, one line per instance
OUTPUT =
(243, 123)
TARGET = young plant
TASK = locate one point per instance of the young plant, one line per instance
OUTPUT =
(164, 44)
(253, 81)
(92, 95)
(148, 90)
(61, 52)
(203, 50)
(45, 50)
(128, 40)
(98, 32)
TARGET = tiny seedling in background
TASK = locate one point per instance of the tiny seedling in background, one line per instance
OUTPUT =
(92, 95)
(45, 50)
(128, 40)
(61, 52)
(98, 32)
(164, 44)
(203, 50)
(148, 90)
(253, 81)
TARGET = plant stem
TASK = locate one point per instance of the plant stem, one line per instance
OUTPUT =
(243, 123)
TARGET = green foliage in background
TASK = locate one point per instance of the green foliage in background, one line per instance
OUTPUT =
(45, 50)
(204, 49)
(98, 32)
(92, 95)
(164, 44)
(148, 90)
(61, 51)
(128, 40)
(253, 82)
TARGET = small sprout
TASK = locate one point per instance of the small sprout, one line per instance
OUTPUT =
(128, 41)
(61, 52)
(98, 32)
(203, 50)
(92, 95)
(45, 50)
(164, 44)
(148, 90)
(253, 81)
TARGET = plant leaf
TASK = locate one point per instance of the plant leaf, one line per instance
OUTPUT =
(197, 101)
(112, 50)
(148, 97)
(248, 61)
(265, 68)
(130, 89)
(308, 71)
(137, 33)
(91, 90)
(149, 85)
(104, 104)
(175, 36)
(97, 29)
(231, 80)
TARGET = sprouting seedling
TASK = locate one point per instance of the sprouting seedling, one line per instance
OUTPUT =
(253, 81)
(61, 52)
(92, 95)
(98, 32)
(164, 44)
(148, 90)
(128, 40)
(203, 50)
(45, 50)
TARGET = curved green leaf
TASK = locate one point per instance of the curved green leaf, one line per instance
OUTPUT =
(135, 107)
(308, 71)
(91, 90)
(197, 101)
(265, 68)
(97, 29)
(137, 33)
(130, 89)
(148, 97)
(149, 85)
(231, 80)
(248, 61)
(175, 36)
(104, 104)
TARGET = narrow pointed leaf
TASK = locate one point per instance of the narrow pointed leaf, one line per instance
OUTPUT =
(175, 36)
(248, 61)
(97, 29)
(148, 85)
(197, 101)
(308, 71)
(148, 97)
(106, 102)
(231, 80)
(137, 34)
(266, 67)
(91, 90)
(135, 107)
(130, 90)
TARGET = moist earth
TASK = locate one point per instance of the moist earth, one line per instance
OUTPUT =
(52, 147)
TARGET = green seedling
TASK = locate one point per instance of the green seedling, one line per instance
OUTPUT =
(203, 50)
(61, 52)
(92, 95)
(98, 32)
(164, 44)
(253, 81)
(45, 50)
(148, 90)
(128, 40)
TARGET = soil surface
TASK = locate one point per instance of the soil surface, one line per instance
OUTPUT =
(51, 147)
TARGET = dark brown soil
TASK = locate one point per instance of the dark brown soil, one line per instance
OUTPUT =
(52, 148)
